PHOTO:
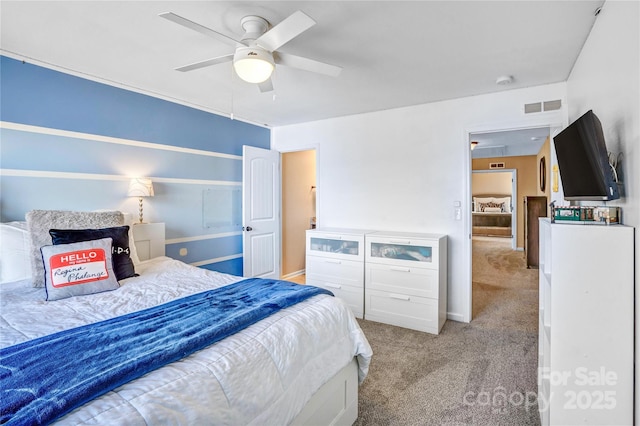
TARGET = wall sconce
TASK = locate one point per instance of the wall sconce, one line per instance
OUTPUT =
(140, 187)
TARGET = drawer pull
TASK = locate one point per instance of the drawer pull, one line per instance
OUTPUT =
(399, 297)
(337, 262)
(333, 237)
(399, 242)
(333, 286)
(401, 269)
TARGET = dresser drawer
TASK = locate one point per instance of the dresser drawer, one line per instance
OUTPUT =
(336, 244)
(335, 271)
(418, 313)
(403, 250)
(352, 296)
(401, 279)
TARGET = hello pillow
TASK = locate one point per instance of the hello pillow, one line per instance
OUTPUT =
(78, 269)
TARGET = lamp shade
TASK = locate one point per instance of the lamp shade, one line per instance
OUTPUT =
(140, 187)
(253, 64)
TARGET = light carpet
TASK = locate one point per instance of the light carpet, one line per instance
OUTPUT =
(481, 373)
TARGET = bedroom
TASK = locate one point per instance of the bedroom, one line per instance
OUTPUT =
(389, 186)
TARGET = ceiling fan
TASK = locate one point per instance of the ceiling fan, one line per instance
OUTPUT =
(256, 53)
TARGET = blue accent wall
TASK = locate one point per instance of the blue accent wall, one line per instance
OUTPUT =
(121, 134)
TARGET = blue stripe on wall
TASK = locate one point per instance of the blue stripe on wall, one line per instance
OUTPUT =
(233, 267)
(22, 194)
(67, 154)
(200, 250)
(42, 97)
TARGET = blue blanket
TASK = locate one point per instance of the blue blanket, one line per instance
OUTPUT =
(45, 378)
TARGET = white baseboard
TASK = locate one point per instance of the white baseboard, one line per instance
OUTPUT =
(455, 317)
(294, 274)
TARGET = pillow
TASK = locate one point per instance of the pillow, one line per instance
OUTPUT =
(491, 205)
(493, 210)
(40, 221)
(133, 250)
(122, 264)
(129, 220)
(478, 201)
(15, 260)
(77, 269)
(507, 203)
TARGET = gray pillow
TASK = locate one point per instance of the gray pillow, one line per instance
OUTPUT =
(77, 269)
(39, 222)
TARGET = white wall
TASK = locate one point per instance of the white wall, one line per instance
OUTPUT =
(403, 169)
(606, 78)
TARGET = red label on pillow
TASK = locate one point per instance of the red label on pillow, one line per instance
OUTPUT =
(78, 267)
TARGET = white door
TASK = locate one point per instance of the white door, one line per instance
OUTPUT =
(261, 212)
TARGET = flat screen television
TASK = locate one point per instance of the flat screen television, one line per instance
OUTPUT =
(583, 161)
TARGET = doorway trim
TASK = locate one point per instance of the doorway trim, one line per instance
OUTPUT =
(514, 205)
(555, 121)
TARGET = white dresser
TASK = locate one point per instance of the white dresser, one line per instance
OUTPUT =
(335, 261)
(586, 325)
(406, 280)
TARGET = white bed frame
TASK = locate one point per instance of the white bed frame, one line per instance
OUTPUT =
(335, 403)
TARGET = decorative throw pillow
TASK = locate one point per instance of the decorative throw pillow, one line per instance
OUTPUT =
(506, 203)
(133, 251)
(122, 263)
(77, 269)
(40, 221)
(492, 210)
(492, 205)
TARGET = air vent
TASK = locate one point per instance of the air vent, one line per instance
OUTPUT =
(531, 108)
(536, 107)
(552, 105)
(496, 165)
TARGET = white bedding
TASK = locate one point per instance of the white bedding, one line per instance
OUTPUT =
(262, 375)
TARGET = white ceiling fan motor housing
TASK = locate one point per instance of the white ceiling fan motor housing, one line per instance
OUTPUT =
(254, 27)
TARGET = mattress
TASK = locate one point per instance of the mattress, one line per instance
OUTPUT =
(264, 374)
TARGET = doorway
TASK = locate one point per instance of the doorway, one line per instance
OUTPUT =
(494, 212)
(517, 153)
(298, 209)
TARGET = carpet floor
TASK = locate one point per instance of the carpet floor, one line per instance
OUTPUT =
(480, 373)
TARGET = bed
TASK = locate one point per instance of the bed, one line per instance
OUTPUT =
(300, 364)
(491, 214)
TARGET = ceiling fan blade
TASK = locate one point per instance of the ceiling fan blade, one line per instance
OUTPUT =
(206, 63)
(291, 27)
(306, 64)
(200, 28)
(266, 86)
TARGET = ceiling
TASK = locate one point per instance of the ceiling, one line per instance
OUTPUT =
(509, 143)
(393, 53)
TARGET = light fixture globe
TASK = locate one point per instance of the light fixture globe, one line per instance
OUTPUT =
(253, 64)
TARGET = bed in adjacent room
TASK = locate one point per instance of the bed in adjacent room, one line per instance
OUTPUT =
(491, 215)
(112, 356)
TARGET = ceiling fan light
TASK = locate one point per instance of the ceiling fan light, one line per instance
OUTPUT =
(253, 64)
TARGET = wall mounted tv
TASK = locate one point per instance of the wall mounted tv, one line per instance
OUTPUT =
(583, 161)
